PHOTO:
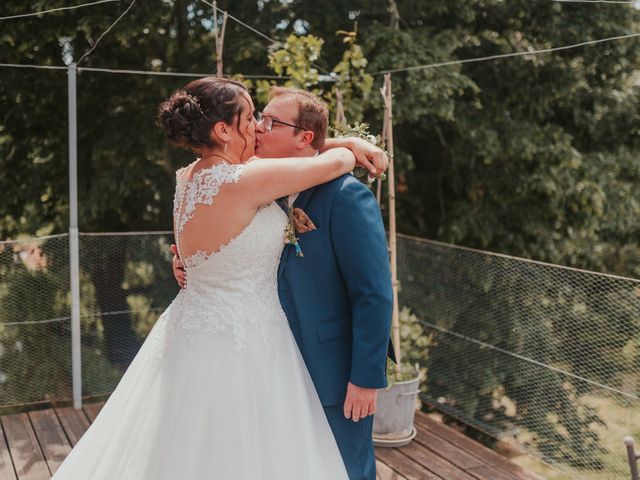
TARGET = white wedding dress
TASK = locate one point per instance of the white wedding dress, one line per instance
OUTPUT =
(219, 389)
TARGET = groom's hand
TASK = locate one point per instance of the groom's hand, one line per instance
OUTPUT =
(178, 267)
(360, 402)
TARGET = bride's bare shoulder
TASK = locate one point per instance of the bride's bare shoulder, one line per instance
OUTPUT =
(183, 170)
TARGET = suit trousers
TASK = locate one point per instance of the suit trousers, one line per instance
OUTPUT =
(354, 442)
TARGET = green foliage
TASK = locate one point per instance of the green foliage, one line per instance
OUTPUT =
(505, 331)
(35, 335)
(295, 60)
(415, 343)
(535, 156)
(359, 130)
(511, 155)
(351, 80)
(35, 358)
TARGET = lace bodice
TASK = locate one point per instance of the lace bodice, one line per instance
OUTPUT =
(237, 284)
(200, 189)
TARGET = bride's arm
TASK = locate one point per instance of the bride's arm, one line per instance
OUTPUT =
(363, 151)
(266, 179)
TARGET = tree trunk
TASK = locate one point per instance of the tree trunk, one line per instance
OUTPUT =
(395, 15)
(120, 341)
(182, 35)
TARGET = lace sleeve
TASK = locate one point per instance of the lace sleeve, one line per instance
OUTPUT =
(178, 196)
(201, 189)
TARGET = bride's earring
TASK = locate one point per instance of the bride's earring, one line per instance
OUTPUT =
(225, 147)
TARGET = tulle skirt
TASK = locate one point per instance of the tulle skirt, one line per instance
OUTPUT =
(195, 407)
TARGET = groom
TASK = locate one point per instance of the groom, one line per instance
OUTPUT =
(337, 296)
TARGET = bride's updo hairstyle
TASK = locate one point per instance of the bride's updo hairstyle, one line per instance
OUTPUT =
(188, 116)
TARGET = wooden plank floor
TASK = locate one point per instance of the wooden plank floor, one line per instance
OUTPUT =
(34, 444)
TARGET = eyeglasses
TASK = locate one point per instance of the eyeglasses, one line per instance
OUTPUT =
(269, 121)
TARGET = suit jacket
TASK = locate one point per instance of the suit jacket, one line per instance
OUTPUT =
(338, 297)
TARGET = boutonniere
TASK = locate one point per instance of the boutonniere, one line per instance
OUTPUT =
(299, 223)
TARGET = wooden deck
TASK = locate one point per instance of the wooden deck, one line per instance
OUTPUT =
(34, 444)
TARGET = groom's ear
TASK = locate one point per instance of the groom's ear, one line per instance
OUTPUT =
(306, 139)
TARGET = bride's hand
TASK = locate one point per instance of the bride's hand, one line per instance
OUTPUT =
(367, 155)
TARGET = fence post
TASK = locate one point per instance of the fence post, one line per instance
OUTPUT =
(632, 457)
(74, 244)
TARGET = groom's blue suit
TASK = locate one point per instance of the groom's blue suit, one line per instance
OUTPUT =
(338, 300)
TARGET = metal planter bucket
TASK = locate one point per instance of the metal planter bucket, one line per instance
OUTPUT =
(396, 409)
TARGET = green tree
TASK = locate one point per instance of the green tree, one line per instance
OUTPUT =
(534, 156)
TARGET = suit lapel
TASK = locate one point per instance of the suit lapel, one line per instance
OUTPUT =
(303, 198)
(301, 202)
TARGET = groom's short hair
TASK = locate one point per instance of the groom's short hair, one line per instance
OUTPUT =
(313, 113)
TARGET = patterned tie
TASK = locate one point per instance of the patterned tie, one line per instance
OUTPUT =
(283, 203)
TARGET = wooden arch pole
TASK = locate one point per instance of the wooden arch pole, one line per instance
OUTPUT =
(341, 119)
(384, 142)
(393, 250)
(218, 34)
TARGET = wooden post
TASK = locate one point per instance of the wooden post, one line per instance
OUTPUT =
(385, 133)
(388, 129)
(632, 457)
(341, 119)
(219, 38)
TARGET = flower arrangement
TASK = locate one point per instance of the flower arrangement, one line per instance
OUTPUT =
(359, 130)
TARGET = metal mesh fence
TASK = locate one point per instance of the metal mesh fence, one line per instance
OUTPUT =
(35, 335)
(125, 284)
(538, 353)
(522, 350)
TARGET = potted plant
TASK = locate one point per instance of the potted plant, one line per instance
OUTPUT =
(397, 404)
(393, 421)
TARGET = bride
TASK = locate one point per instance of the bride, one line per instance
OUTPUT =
(219, 389)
